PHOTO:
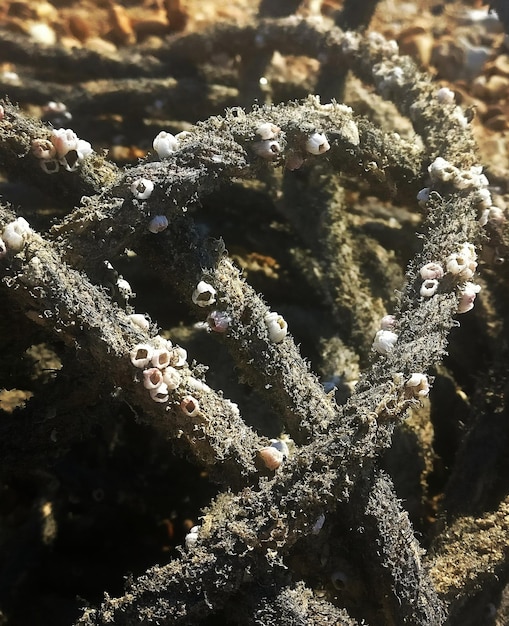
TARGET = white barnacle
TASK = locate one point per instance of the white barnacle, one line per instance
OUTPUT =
(190, 406)
(172, 378)
(165, 144)
(124, 288)
(84, 149)
(417, 385)
(152, 378)
(16, 233)
(139, 320)
(482, 197)
(493, 215)
(317, 144)
(160, 394)
(445, 95)
(429, 287)
(267, 149)
(178, 356)
(161, 358)
(472, 178)
(442, 171)
(142, 188)
(141, 355)
(43, 149)
(276, 327)
(462, 263)
(467, 297)
(351, 42)
(384, 341)
(267, 131)
(73, 158)
(204, 294)
(388, 322)
(191, 539)
(158, 223)
(431, 271)
(64, 140)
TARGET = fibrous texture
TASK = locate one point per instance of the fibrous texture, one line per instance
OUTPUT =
(311, 530)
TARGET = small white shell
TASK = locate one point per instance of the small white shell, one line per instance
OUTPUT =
(43, 149)
(388, 322)
(317, 144)
(276, 327)
(495, 215)
(172, 378)
(124, 288)
(429, 287)
(445, 96)
(267, 149)
(190, 406)
(418, 385)
(266, 130)
(83, 149)
(462, 263)
(141, 355)
(204, 294)
(142, 188)
(272, 457)
(16, 233)
(165, 144)
(160, 394)
(384, 341)
(64, 140)
(139, 320)
(483, 199)
(192, 537)
(13, 240)
(442, 171)
(158, 223)
(178, 356)
(349, 132)
(468, 294)
(431, 270)
(152, 378)
(161, 358)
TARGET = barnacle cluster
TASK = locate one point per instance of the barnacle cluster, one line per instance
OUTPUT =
(63, 149)
(160, 362)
